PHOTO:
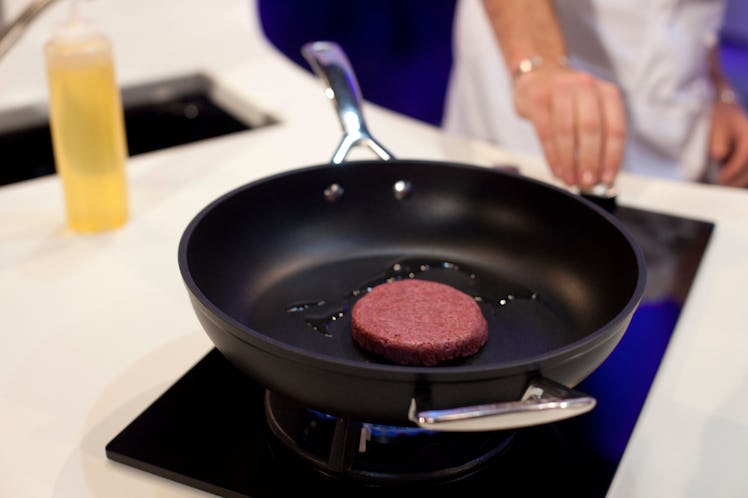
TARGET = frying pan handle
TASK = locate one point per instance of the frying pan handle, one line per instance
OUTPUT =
(331, 65)
(544, 402)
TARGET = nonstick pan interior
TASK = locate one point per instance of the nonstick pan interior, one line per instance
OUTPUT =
(283, 263)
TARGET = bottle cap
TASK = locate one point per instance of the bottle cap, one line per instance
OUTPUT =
(75, 28)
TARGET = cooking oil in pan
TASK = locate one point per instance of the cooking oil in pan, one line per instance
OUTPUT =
(320, 315)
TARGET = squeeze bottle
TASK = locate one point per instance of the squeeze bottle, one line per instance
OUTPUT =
(87, 123)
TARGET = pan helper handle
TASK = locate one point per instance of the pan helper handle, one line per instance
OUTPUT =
(544, 402)
(331, 65)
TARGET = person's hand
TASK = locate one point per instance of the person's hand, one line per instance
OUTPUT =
(728, 143)
(580, 121)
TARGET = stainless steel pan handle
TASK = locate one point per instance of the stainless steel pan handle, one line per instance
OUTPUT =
(331, 65)
(544, 402)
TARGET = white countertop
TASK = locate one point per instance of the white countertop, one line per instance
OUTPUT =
(96, 327)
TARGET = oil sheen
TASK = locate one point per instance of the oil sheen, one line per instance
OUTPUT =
(321, 315)
(88, 133)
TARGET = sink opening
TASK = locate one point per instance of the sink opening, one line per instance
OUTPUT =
(157, 115)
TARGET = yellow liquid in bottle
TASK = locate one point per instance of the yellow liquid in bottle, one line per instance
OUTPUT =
(88, 134)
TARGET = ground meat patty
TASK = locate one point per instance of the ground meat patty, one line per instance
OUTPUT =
(418, 322)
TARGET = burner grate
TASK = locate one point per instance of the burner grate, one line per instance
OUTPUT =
(379, 454)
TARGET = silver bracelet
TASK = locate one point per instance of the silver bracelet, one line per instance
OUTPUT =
(530, 64)
(727, 95)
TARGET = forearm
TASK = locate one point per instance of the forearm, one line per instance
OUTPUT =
(526, 29)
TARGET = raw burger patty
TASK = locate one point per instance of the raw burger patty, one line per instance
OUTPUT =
(418, 322)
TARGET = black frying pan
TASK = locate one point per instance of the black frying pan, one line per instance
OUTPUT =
(273, 268)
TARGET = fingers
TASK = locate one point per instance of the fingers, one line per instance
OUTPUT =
(580, 122)
(735, 171)
(719, 142)
(728, 143)
(564, 131)
(589, 136)
(589, 130)
(614, 119)
(544, 129)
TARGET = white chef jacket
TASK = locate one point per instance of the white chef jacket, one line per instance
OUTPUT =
(656, 51)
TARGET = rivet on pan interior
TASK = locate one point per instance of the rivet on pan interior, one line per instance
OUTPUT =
(333, 192)
(402, 189)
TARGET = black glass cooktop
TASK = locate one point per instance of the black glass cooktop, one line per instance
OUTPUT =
(209, 429)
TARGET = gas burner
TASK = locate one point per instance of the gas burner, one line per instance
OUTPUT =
(375, 453)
